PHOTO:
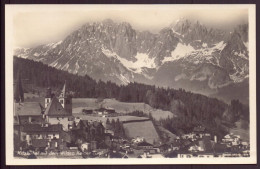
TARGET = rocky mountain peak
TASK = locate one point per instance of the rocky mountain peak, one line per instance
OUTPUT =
(184, 53)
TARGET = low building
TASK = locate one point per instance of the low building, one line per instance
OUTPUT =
(231, 139)
(85, 147)
(138, 139)
(144, 145)
(200, 131)
(87, 111)
(45, 135)
(28, 113)
(105, 111)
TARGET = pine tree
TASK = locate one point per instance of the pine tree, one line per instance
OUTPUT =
(108, 121)
(18, 93)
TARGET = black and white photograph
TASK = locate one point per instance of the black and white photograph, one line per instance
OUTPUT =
(130, 84)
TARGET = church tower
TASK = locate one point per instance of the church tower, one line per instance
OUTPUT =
(47, 97)
(66, 100)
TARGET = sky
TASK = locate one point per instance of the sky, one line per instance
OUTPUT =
(34, 25)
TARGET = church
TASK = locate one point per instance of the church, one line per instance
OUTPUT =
(51, 124)
(42, 126)
(58, 110)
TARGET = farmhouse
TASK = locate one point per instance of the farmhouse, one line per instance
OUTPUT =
(44, 136)
(144, 145)
(28, 113)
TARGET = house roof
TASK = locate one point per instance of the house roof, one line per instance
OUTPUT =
(55, 108)
(66, 136)
(199, 129)
(16, 120)
(39, 142)
(28, 109)
(219, 148)
(144, 143)
(40, 128)
(115, 155)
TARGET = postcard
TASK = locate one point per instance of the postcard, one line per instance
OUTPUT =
(130, 84)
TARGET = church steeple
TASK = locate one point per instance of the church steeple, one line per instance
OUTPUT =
(18, 92)
(48, 97)
(65, 100)
(63, 91)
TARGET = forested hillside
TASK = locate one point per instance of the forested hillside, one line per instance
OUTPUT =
(193, 109)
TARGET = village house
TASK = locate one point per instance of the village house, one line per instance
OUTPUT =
(144, 145)
(231, 139)
(28, 113)
(138, 139)
(44, 136)
(200, 131)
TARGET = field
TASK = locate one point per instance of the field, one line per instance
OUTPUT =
(141, 126)
(103, 119)
(166, 134)
(121, 107)
(144, 129)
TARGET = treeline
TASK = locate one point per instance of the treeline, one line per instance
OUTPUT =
(193, 109)
(116, 127)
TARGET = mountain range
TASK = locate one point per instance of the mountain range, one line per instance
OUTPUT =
(186, 54)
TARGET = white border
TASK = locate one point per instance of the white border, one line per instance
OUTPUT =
(10, 10)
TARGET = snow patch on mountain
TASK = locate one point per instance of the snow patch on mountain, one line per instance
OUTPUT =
(176, 32)
(180, 51)
(180, 76)
(142, 61)
(53, 45)
(240, 54)
(204, 45)
(220, 46)
(246, 45)
(123, 79)
(36, 54)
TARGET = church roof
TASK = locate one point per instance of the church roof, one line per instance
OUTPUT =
(55, 108)
(40, 128)
(28, 109)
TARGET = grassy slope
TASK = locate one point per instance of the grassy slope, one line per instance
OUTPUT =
(144, 129)
(121, 107)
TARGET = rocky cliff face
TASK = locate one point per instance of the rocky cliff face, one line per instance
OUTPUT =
(186, 54)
